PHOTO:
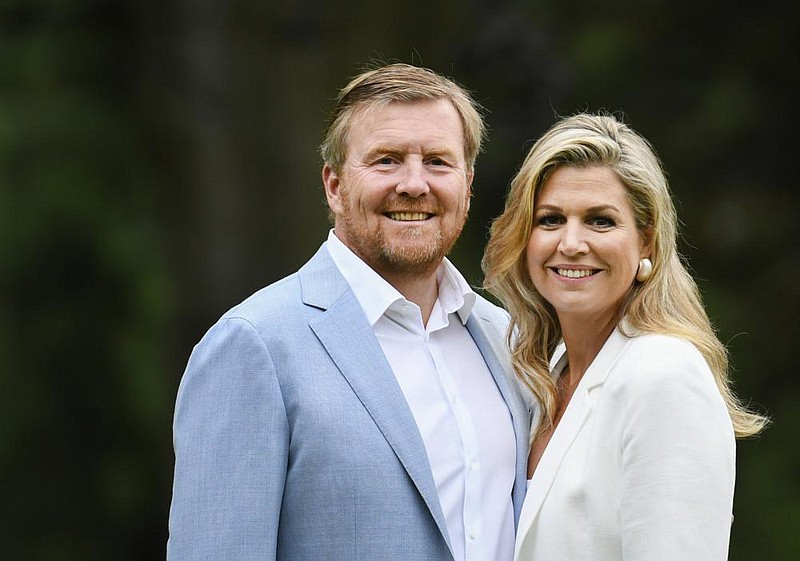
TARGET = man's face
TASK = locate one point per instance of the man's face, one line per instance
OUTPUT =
(402, 196)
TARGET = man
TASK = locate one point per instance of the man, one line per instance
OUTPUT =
(363, 407)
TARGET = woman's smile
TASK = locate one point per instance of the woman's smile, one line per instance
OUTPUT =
(585, 247)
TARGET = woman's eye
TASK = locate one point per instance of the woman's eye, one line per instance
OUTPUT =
(549, 220)
(602, 222)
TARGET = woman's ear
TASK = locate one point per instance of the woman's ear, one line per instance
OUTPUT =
(647, 241)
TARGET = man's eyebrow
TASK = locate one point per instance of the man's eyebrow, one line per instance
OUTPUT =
(443, 151)
(381, 149)
(394, 149)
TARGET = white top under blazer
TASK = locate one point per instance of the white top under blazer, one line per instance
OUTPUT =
(640, 467)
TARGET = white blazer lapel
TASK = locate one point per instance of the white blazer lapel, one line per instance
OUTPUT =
(568, 428)
(574, 419)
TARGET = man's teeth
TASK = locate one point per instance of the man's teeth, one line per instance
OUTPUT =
(575, 273)
(407, 216)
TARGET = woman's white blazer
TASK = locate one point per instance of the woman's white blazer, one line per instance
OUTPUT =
(641, 466)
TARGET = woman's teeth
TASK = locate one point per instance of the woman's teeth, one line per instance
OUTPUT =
(575, 273)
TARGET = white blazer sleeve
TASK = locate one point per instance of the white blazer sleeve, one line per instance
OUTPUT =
(678, 461)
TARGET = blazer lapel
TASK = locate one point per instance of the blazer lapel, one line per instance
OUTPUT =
(500, 366)
(575, 417)
(347, 336)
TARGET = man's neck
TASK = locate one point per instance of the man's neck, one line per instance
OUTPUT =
(421, 289)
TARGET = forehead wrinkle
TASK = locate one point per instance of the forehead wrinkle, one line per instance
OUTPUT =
(378, 133)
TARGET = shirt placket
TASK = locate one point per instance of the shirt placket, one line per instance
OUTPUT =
(473, 526)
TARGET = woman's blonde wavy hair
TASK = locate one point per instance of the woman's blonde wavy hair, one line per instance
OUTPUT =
(667, 303)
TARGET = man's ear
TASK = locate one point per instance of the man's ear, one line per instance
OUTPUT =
(330, 180)
(470, 177)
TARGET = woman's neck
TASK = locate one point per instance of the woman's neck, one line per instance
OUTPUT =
(583, 338)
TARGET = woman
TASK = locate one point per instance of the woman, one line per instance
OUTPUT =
(633, 455)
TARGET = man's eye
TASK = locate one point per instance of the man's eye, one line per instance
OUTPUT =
(385, 161)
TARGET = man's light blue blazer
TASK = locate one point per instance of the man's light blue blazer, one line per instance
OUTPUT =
(293, 440)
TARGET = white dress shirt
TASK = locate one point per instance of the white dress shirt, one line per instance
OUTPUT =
(461, 415)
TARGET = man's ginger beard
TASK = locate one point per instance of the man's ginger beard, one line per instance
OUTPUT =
(415, 250)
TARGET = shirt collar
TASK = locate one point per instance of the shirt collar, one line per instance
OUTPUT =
(376, 295)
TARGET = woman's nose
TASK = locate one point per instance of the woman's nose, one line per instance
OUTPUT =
(573, 240)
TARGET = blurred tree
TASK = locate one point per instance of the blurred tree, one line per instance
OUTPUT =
(158, 164)
(85, 294)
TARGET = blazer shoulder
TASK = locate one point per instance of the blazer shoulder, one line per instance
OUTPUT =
(271, 298)
(664, 391)
(317, 282)
(662, 364)
(490, 312)
(655, 351)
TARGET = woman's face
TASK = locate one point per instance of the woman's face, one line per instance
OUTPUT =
(585, 247)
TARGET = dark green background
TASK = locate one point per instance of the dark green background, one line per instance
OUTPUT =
(158, 164)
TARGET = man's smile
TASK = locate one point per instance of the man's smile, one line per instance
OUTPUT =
(408, 216)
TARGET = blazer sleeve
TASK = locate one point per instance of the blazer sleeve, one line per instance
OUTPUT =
(231, 441)
(678, 461)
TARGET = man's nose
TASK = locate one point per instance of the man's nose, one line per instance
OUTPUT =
(413, 181)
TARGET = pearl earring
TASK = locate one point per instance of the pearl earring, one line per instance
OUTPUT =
(645, 270)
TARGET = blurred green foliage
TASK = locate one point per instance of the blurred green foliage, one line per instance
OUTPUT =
(158, 164)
